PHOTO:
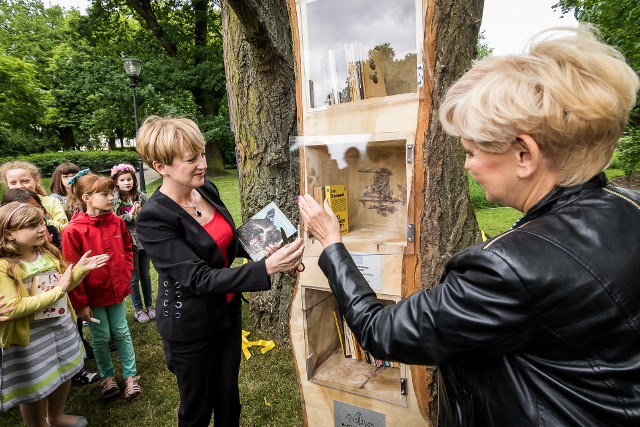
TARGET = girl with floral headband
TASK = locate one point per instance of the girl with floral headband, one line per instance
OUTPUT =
(127, 202)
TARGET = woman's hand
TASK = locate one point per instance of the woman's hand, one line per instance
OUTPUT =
(319, 220)
(271, 249)
(4, 310)
(286, 258)
(93, 262)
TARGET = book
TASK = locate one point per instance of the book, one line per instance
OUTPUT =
(337, 317)
(264, 229)
(337, 196)
(42, 283)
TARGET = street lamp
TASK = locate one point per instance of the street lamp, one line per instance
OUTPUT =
(132, 67)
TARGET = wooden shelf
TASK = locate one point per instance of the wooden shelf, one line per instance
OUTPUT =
(360, 378)
(369, 239)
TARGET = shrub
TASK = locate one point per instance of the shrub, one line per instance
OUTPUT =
(629, 152)
(97, 161)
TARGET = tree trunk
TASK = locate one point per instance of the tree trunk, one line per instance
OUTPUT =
(447, 221)
(259, 64)
(111, 142)
(67, 137)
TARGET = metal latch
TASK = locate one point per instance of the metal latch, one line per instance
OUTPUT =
(420, 75)
(410, 233)
(403, 386)
(410, 154)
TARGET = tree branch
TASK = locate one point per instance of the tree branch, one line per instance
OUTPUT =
(143, 8)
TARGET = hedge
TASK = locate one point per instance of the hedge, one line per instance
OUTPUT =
(95, 160)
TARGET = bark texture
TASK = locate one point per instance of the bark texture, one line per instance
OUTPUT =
(260, 70)
(447, 221)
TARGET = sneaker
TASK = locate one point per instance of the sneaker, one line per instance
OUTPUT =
(109, 387)
(133, 389)
(151, 312)
(142, 317)
(85, 377)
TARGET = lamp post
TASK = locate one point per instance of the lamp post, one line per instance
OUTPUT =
(132, 67)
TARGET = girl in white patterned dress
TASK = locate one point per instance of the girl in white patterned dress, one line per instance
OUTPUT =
(41, 349)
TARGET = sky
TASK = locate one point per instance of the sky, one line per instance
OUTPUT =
(507, 24)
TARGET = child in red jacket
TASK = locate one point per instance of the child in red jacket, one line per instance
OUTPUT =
(99, 299)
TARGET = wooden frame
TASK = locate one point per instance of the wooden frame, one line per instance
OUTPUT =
(386, 126)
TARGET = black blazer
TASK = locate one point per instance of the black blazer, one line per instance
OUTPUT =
(192, 280)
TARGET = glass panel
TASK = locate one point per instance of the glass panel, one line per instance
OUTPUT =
(359, 49)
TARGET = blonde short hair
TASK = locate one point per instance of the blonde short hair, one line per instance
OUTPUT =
(161, 139)
(570, 92)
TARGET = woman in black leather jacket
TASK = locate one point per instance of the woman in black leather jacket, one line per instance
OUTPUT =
(541, 324)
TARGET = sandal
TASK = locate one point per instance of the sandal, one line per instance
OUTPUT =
(133, 389)
(80, 422)
(151, 312)
(109, 387)
(142, 317)
(85, 377)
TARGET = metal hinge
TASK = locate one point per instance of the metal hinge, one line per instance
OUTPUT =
(410, 234)
(420, 75)
(403, 386)
(410, 154)
(309, 373)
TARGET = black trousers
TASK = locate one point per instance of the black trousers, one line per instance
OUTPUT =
(207, 373)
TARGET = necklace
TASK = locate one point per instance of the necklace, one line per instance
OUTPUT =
(198, 211)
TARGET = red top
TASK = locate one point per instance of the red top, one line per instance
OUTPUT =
(222, 233)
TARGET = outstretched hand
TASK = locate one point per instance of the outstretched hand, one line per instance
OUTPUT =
(320, 220)
(93, 262)
(286, 258)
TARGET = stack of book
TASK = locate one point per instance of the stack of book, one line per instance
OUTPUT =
(351, 348)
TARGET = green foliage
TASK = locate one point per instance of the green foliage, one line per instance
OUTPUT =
(629, 152)
(482, 48)
(62, 84)
(97, 161)
(20, 102)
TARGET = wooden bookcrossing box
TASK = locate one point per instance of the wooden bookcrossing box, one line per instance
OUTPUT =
(359, 80)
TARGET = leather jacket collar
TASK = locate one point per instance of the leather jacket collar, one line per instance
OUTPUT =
(560, 196)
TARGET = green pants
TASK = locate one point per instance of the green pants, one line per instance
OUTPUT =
(113, 326)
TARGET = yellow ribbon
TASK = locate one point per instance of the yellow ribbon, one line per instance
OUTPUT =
(266, 345)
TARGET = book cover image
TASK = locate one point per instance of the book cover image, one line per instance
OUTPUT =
(263, 229)
(337, 196)
(41, 283)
